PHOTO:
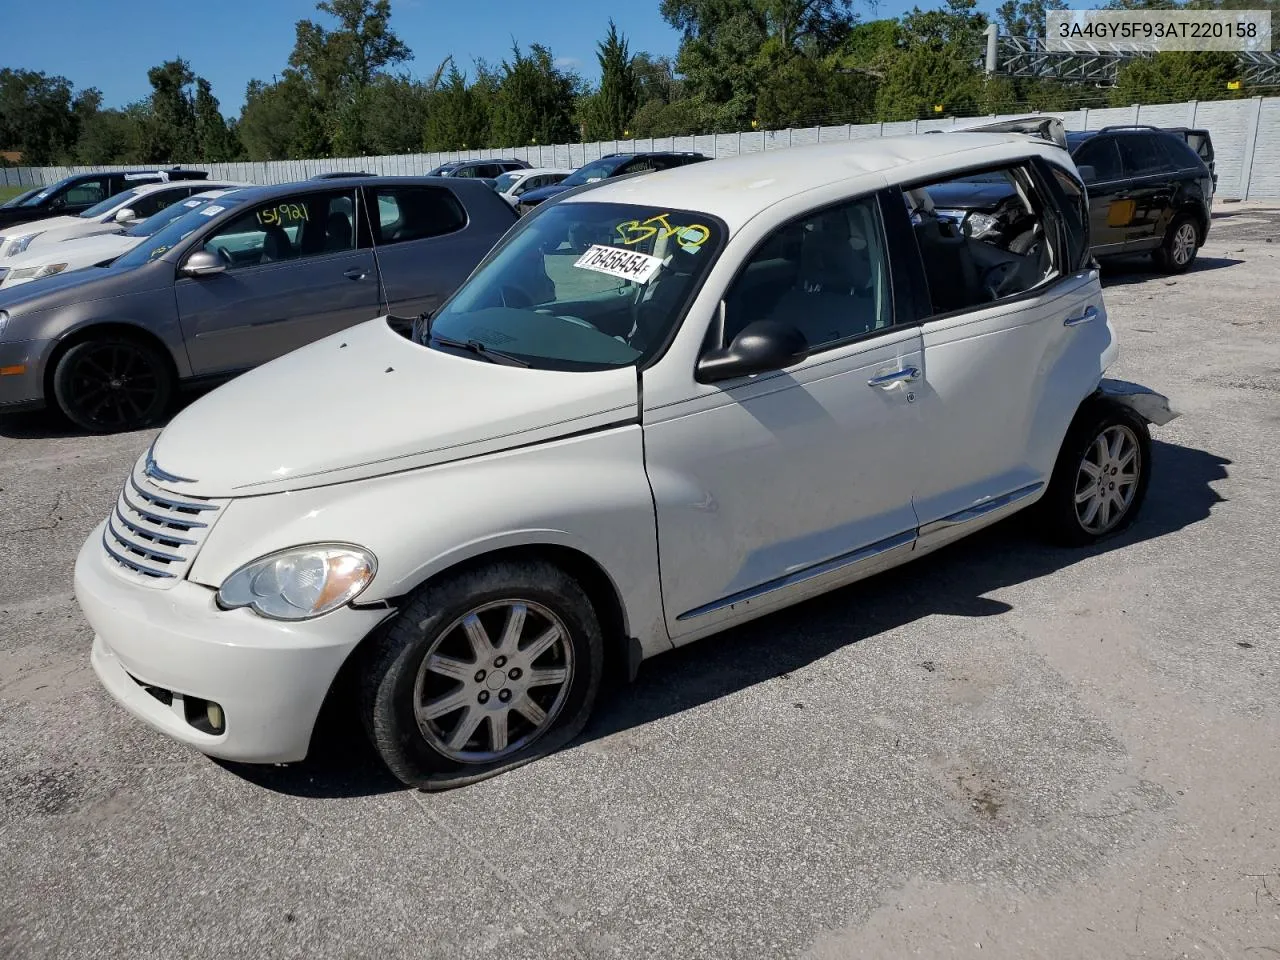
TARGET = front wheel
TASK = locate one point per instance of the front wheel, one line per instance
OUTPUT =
(1101, 476)
(483, 671)
(112, 383)
(1178, 250)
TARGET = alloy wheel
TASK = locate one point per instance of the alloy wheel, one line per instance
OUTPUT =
(1107, 479)
(113, 385)
(493, 681)
(1184, 244)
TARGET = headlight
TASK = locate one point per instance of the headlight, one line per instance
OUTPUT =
(35, 273)
(301, 582)
(18, 244)
(980, 223)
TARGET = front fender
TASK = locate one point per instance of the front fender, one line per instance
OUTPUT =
(588, 493)
(1151, 406)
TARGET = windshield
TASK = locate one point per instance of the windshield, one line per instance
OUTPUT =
(175, 232)
(584, 286)
(110, 203)
(34, 199)
(158, 221)
(506, 181)
(595, 170)
(21, 198)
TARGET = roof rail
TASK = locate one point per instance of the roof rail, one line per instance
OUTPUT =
(1129, 126)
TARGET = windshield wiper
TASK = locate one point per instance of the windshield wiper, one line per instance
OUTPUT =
(479, 349)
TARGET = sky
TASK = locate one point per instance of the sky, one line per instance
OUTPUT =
(110, 44)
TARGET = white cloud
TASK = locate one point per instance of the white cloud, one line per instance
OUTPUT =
(565, 62)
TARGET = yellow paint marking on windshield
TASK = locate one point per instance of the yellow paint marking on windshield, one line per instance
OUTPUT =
(284, 213)
(690, 236)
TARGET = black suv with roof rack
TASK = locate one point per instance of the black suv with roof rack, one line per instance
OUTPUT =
(479, 169)
(1149, 191)
(80, 191)
(608, 166)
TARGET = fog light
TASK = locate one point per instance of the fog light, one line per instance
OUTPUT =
(16, 370)
(213, 713)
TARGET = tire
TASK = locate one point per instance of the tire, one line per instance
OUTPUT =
(1181, 244)
(434, 724)
(113, 384)
(1071, 523)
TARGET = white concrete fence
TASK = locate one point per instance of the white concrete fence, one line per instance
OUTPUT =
(1246, 140)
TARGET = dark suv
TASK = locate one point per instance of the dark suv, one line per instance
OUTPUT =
(610, 165)
(1149, 191)
(80, 191)
(478, 169)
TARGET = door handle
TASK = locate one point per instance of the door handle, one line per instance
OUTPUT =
(1090, 313)
(894, 376)
(355, 273)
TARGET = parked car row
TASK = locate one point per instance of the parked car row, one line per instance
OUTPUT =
(658, 408)
(176, 279)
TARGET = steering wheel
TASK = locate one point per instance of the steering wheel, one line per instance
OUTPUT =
(994, 279)
(225, 257)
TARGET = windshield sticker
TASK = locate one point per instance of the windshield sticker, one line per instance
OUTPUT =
(211, 211)
(193, 203)
(624, 264)
(282, 214)
(690, 237)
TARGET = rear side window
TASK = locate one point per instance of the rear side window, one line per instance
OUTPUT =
(401, 214)
(1103, 156)
(1180, 153)
(1142, 155)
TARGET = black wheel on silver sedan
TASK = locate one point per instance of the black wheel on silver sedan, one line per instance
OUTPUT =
(113, 383)
(1101, 476)
(481, 672)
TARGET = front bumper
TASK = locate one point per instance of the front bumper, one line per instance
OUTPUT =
(21, 374)
(269, 677)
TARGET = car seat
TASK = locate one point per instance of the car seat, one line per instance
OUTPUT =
(275, 244)
(337, 232)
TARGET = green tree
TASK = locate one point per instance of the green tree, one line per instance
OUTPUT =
(215, 142)
(534, 101)
(169, 132)
(804, 92)
(1176, 75)
(619, 94)
(38, 115)
(282, 120)
(457, 116)
(937, 64)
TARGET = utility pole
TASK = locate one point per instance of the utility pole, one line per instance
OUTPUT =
(993, 34)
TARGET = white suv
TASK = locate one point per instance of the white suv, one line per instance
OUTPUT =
(660, 407)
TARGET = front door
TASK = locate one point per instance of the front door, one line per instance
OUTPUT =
(294, 274)
(1111, 204)
(773, 487)
(1150, 173)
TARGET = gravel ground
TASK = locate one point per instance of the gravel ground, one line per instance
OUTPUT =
(1003, 750)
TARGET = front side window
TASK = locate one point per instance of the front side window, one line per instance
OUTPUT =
(109, 204)
(415, 213)
(1142, 155)
(85, 193)
(825, 274)
(288, 228)
(1103, 156)
(593, 171)
(584, 286)
(166, 237)
(1075, 216)
(998, 250)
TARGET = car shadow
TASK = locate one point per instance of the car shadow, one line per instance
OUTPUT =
(50, 424)
(1120, 271)
(953, 581)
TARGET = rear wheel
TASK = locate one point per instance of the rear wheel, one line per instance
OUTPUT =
(1181, 243)
(113, 383)
(482, 672)
(1101, 476)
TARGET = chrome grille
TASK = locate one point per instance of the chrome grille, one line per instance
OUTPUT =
(154, 534)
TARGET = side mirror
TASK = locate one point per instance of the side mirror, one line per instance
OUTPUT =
(202, 263)
(126, 215)
(1087, 173)
(761, 347)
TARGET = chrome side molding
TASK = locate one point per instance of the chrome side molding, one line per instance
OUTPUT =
(979, 510)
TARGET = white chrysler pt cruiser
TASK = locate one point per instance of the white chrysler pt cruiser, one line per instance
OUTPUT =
(660, 407)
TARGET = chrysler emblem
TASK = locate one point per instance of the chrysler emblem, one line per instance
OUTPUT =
(153, 470)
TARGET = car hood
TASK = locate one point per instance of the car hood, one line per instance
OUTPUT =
(368, 402)
(80, 252)
(77, 228)
(543, 193)
(53, 292)
(40, 226)
(967, 195)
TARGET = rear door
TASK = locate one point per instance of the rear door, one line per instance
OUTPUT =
(1012, 348)
(427, 243)
(294, 274)
(1151, 177)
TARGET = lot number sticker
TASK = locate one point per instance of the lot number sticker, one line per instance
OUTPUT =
(623, 264)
